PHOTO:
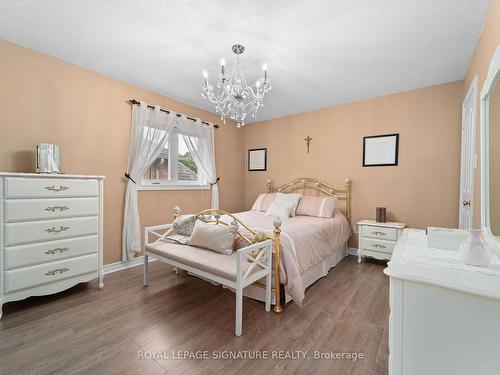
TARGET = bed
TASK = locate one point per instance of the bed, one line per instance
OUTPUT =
(309, 246)
(305, 248)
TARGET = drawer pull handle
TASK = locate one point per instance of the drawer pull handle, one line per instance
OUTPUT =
(377, 233)
(57, 208)
(378, 246)
(55, 188)
(56, 271)
(56, 230)
(57, 249)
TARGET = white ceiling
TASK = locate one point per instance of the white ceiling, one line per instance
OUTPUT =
(319, 53)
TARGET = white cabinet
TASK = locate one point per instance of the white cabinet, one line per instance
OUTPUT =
(50, 233)
(377, 240)
(445, 318)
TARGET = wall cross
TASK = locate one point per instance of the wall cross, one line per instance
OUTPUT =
(308, 140)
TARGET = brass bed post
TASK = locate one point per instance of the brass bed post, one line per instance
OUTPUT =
(269, 186)
(348, 187)
(277, 250)
(177, 212)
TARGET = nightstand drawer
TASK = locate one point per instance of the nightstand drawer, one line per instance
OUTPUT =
(379, 232)
(381, 246)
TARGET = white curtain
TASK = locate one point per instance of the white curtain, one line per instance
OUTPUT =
(199, 139)
(149, 133)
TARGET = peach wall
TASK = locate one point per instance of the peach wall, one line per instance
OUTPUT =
(44, 99)
(422, 190)
(479, 64)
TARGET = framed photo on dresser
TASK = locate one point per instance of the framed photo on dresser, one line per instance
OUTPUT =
(380, 150)
(257, 159)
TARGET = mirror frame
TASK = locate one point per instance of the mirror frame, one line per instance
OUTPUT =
(489, 85)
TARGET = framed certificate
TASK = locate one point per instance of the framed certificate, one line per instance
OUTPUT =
(257, 159)
(380, 150)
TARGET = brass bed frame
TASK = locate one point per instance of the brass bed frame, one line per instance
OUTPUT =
(303, 185)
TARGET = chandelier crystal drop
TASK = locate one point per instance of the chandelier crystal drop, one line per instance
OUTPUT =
(232, 97)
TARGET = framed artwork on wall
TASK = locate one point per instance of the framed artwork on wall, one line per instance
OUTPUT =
(257, 159)
(380, 150)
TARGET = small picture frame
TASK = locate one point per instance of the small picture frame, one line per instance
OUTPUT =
(257, 159)
(380, 150)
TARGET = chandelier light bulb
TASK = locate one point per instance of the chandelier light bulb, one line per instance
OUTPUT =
(205, 74)
(264, 67)
(222, 62)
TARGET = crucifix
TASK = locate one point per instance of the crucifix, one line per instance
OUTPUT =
(308, 140)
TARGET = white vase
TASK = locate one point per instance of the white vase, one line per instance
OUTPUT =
(474, 250)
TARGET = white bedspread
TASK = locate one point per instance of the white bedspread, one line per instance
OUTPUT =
(305, 242)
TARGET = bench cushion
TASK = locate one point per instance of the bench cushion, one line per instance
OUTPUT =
(205, 260)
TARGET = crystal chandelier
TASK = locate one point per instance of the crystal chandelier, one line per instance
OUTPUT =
(232, 97)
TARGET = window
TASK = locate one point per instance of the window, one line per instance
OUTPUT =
(175, 168)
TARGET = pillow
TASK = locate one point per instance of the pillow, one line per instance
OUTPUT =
(181, 230)
(263, 202)
(290, 199)
(184, 224)
(279, 209)
(219, 238)
(316, 206)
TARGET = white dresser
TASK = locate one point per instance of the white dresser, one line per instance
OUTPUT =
(50, 233)
(377, 240)
(445, 317)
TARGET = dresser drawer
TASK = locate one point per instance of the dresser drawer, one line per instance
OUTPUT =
(32, 231)
(27, 255)
(381, 246)
(379, 232)
(23, 278)
(36, 209)
(49, 187)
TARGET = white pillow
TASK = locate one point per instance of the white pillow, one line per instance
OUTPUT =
(279, 209)
(290, 199)
(219, 238)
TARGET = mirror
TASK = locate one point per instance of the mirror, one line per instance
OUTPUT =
(490, 154)
(494, 158)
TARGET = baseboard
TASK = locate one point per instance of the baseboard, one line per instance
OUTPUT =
(352, 251)
(119, 266)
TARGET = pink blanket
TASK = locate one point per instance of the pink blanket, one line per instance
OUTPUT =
(305, 242)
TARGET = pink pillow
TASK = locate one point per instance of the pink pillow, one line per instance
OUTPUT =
(316, 206)
(263, 201)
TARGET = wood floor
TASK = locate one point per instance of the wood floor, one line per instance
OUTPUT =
(86, 330)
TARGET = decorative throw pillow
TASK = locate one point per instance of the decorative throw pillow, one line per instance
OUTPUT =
(219, 238)
(282, 210)
(316, 206)
(181, 230)
(263, 201)
(184, 224)
(172, 237)
(290, 199)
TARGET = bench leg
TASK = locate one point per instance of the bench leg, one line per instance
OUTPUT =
(239, 308)
(146, 270)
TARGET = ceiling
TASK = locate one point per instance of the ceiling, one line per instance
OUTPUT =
(319, 53)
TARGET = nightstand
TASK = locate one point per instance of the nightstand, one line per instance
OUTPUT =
(377, 240)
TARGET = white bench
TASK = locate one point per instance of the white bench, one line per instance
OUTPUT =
(235, 271)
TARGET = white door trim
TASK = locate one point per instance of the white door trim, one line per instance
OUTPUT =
(466, 222)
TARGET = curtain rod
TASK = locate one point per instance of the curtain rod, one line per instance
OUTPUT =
(135, 102)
